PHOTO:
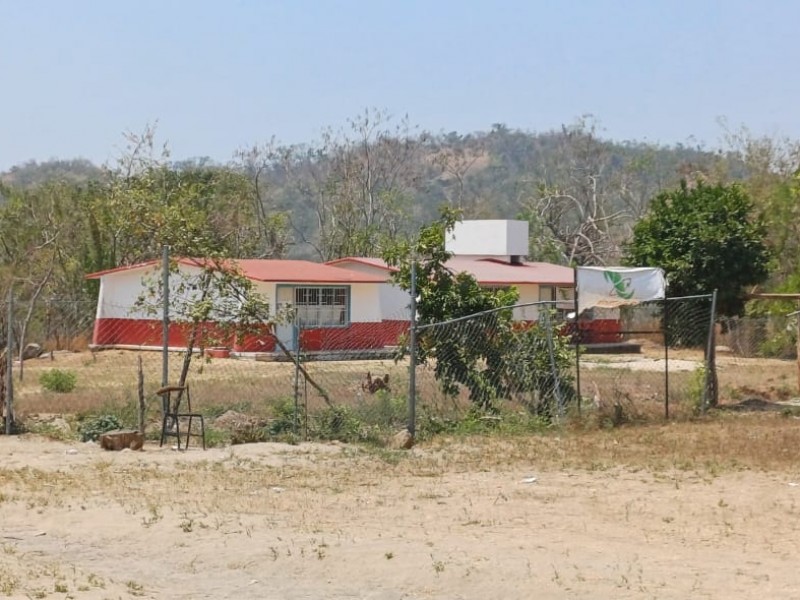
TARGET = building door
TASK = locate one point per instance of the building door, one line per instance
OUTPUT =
(286, 331)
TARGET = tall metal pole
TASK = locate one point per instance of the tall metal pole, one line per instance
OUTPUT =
(666, 355)
(165, 322)
(577, 340)
(412, 344)
(553, 369)
(298, 336)
(10, 364)
(796, 315)
(710, 392)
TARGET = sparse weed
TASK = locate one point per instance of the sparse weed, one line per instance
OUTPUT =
(216, 437)
(58, 380)
(134, 588)
(8, 582)
(49, 430)
(187, 524)
(154, 517)
(93, 427)
(95, 581)
(438, 566)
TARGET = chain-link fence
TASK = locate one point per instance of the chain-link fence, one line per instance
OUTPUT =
(356, 381)
(290, 378)
(757, 359)
(512, 359)
(654, 357)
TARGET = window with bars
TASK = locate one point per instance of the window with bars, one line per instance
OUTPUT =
(322, 306)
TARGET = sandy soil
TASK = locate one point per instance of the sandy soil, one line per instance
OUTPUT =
(330, 521)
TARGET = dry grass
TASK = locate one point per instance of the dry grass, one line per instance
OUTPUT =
(691, 507)
(229, 482)
(633, 384)
(110, 377)
(295, 520)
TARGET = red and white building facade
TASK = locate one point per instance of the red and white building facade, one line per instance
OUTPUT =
(492, 252)
(335, 309)
(345, 304)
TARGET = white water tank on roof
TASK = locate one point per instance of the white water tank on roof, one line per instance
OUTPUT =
(489, 237)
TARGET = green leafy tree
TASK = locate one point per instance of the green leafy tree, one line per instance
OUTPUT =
(486, 352)
(215, 301)
(705, 237)
(466, 356)
(539, 367)
(770, 169)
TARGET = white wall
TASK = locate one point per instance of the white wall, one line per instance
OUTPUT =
(393, 300)
(394, 303)
(119, 292)
(365, 303)
(365, 299)
(490, 237)
(268, 290)
(527, 293)
(531, 293)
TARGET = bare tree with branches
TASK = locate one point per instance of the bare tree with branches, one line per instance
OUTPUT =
(358, 184)
(574, 200)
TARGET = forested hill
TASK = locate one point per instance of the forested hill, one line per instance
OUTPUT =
(354, 189)
(32, 173)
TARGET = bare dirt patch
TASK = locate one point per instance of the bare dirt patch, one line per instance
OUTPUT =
(706, 509)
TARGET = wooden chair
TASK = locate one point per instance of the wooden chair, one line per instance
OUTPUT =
(171, 398)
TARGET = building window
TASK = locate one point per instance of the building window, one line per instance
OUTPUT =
(321, 306)
(563, 297)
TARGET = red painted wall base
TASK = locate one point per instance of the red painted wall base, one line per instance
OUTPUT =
(148, 332)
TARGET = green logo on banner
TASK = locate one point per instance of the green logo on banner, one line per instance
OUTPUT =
(622, 285)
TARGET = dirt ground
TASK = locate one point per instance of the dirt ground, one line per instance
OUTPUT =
(496, 519)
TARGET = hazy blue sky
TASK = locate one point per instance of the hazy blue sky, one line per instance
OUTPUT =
(218, 75)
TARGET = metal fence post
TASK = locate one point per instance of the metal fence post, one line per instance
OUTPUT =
(577, 338)
(710, 392)
(165, 327)
(551, 353)
(666, 355)
(165, 317)
(10, 364)
(297, 336)
(412, 344)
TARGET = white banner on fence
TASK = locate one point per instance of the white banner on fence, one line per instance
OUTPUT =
(610, 287)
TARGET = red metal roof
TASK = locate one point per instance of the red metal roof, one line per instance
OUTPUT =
(363, 260)
(290, 271)
(490, 271)
(303, 271)
(487, 271)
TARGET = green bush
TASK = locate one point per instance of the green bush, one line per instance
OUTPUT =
(779, 345)
(339, 423)
(286, 418)
(252, 434)
(93, 427)
(56, 380)
(384, 411)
